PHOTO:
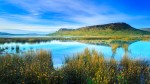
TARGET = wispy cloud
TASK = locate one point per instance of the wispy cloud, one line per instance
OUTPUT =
(50, 15)
(67, 7)
(6, 25)
(103, 19)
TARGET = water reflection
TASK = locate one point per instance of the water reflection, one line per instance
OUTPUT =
(17, 49)
(116, 46)
(60, 49)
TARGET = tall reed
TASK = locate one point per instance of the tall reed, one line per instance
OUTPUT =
(89, 67)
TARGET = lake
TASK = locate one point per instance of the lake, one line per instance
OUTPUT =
(62, 49)
(22, 36)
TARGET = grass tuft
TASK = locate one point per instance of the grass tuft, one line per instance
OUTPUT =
(89, 67)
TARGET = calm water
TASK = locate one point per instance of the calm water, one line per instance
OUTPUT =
(22, 36)
(59, 49)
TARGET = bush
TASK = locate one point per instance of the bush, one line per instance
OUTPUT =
(89, 67)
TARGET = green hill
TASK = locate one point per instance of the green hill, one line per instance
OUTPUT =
(112, 29)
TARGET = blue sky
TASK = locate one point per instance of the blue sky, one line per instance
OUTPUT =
(46, 16)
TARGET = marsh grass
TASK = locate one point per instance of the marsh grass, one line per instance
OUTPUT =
(64, 38)
(89, 67)
(33, 67)
(92, 68)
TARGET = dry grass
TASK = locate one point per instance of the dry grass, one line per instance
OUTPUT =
(33, 67)
(88, 67)
(92, 68)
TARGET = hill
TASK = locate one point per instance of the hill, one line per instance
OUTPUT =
(3, 33)
(112, 29)
(145, 29)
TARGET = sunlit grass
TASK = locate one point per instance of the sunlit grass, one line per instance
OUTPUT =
(93, 68)
(33, 67)
(89, 67)
(33, 40)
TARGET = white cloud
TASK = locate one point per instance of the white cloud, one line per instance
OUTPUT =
(8, 25)
(67, 7)
(103, 19)
(71, 14)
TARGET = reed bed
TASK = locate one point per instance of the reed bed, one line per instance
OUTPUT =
(89, 67)
(64, 38)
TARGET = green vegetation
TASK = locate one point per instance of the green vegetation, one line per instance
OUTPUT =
(88, 67)
(112, 29)
(77, 38)
(33, 67)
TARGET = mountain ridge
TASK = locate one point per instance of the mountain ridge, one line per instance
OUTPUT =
(4, 33)
(111, 29)
(145, 29)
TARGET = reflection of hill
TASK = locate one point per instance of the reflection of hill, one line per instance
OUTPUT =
(114, 44)
(122, 43)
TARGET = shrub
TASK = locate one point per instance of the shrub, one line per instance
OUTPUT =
(89, 67)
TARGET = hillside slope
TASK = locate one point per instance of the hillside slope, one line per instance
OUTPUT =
(3, 33)
(112, 29)
(145, 29)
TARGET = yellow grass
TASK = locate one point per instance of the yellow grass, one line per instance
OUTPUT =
(89, 67)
